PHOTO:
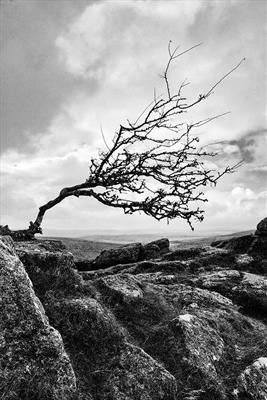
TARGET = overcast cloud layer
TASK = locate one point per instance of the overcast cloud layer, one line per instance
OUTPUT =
(70, 66)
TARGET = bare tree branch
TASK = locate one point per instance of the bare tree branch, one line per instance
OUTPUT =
(153, 165)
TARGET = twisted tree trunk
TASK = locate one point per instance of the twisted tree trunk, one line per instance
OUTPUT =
(35, 227)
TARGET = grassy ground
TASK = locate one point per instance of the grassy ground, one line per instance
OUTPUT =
(84, 249)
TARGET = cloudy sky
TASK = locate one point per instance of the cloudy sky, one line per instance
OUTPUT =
(71, 66)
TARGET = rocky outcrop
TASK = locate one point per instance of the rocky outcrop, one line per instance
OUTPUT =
(49, 266)
(107, 365)
(261, 229)
(252, 382)
(184, 254)
(33, 362)
(172, 327)
(162, 244)
(245, 289)
(123, 255)
(250, 244)
(136, 268)
(198, 335)
(127, 254)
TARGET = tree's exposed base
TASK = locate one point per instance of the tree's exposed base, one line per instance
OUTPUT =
(22, 234)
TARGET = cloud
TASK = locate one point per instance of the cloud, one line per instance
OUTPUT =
(33, 82)
(95, 50)
(252, 146)
(97, 65)
(240, 207)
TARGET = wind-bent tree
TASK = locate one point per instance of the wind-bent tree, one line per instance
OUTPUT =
(154, 164)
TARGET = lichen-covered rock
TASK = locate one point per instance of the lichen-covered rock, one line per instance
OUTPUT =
(163, 244)
(122, 255)
(104, 361)
(156, 329)
(252, 382)
(125, 286)
(197, 334)
(139, 376)
(250, 244)
(262, 228)
(33, 362)
(240, 244)
(251, 293)
(202, 350)
(251, 263)
(86, 322)
(222, 281)
(246, 289)
(49, 265)
(184, 254)
(151, 251)
(148, 266)
(34, 245)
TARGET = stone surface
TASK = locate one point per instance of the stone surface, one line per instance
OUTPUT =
(125, 286)
(139, 376)
(248, 244)
(33, 362)
(136, 268)
(259, 246)
(151, 251)
(157, 329)
(262, 228)
(163, 244)
(252, 382)
(198, 335)
(184, 254)
(245, 289)
(123, 255)
(251, 293)
(105, 362)
(48, 265)
(239, 245)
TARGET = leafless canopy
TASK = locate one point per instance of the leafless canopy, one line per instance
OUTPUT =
(154, 165)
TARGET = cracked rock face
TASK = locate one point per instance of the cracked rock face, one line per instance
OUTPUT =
(252, 382)
(246, 289)
(33, 362)
(146, 330)
(262, 228)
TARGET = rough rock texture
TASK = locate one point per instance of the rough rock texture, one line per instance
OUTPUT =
(123, 255)
(33, 362)
(184, 254)
(136, 268)
(106, 364)
(130, 253)
(245, 289)
(189, 328)
(49, 265)
(262, 228)
(252, 382)
(250, 244)
(197, 334)
(163, 244)
(151, 251)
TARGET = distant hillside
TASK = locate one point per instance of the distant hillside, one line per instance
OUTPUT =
(90, 246)
(82, 249)
(148, 237)
(206, 241)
